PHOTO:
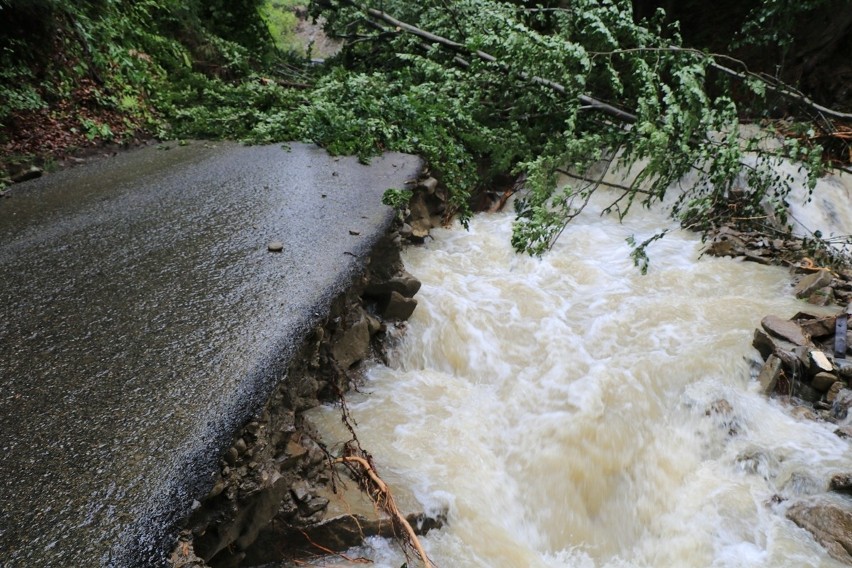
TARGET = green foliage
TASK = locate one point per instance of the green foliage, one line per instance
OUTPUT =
(397, 198)
(483, 116)
(129, 51)
(281, 21)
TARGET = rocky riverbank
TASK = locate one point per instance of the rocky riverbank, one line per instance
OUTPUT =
(278, 495)
(807, 365)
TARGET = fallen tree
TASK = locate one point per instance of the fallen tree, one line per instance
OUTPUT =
(482, 88)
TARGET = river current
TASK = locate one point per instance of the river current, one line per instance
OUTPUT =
(568, 411)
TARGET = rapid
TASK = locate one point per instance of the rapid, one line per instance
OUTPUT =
(569, 411)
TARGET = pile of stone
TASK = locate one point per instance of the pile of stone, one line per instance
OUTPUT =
(806, 359)
(801, 360)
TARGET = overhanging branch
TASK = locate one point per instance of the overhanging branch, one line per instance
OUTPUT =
(590, 102)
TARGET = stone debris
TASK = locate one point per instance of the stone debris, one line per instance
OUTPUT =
(801, 367)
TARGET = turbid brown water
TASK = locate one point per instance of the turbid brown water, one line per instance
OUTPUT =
(144, 319)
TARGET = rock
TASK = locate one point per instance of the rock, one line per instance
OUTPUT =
(822, 381)
(822, 297)
(829, 523)
(819, 361)
(831, 395)
(275, 246)
(727, 245)
(398, 307)
(403, 283)
(841, 482)
(419, 218)
(844, 368)
(720, 406)
(429, 185)
(812, 282)
(374, 325)
(354, 344)
(405, 231)
(769, 374)
(814, 326)
(768, 345)
(807, 392)
(844, 432)
(842, 402)
(803, 413)
(785, 329)
(314, 505)
(346, 518)
(28, 174)
(301, 491)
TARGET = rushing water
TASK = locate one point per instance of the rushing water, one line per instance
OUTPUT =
(562, 408)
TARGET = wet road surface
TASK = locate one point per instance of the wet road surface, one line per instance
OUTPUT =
(144, 320)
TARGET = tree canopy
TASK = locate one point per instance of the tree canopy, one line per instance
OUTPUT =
(484, 90)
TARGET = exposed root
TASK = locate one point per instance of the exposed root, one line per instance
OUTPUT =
(381, 495)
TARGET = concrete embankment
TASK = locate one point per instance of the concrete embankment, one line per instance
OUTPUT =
(146, 322)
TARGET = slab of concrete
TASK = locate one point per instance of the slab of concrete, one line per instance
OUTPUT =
(145, 319)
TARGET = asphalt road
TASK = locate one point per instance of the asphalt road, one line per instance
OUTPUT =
(144, 320)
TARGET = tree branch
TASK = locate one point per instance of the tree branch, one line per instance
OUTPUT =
(590, 102)
(771, 83)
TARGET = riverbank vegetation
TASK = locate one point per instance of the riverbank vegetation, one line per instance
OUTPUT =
(486, 91)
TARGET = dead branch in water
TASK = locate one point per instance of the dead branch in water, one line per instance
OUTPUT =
(381, 495)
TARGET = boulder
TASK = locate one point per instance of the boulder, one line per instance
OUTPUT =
(831, 395)
(815, 326)
(398, 307)
(822, 297)
(769, 374)
(347, 519)
(844, 368)
(811, 283)
(727, 245)
(842, 402)
(806, 392)
(829, 523)
(768, 345)
(354, 344)
(785, 329)
(419, 216)
(822, 381)
(429, 185)
(841, 482)
(403, 283)
(30, 173)
(819, 361)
